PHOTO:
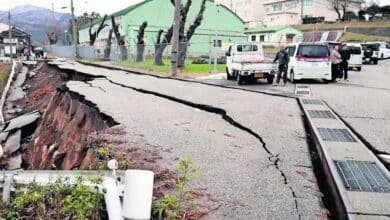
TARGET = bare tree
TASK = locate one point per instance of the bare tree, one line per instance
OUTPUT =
(93, 34)
(340, 7)
(141, 42)
(119, 39)
(184, 36)
(183, 46)
(161, 44)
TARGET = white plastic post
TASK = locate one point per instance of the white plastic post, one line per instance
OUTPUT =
(137, 202)
(111, 196)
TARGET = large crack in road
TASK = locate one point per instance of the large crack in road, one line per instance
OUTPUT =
(272, 157)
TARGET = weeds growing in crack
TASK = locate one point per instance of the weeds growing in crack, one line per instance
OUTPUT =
(57, 200)
(178, 203)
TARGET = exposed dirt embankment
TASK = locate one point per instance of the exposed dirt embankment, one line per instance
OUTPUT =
(60, 139)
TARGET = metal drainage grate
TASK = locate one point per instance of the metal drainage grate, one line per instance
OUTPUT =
(300, 92)
(311, 102)
(321, 114)
(362, 176)
(302, 87)
(337, 135)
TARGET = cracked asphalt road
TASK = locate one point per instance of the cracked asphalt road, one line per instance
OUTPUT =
(363, 102)
(217, 128)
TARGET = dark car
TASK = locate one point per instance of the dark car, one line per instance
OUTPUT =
(203, 59)
(370, 53)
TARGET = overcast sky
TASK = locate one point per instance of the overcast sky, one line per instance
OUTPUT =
(101, 6)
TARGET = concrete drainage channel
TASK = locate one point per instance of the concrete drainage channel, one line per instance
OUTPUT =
(360, 183)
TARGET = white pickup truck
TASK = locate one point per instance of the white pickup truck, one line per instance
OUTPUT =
(246, 62)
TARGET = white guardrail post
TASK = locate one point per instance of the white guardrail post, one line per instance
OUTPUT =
(137, 201)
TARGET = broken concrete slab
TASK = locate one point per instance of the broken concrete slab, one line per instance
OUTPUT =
(13, 143)
(21, 121)
(16, 91)
(15, 162)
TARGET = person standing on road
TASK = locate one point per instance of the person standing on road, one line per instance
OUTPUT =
(284, 59)
(345, 56)
(335, 58)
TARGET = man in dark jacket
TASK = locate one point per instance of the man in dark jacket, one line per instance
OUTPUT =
(284, 59)
(345, 56)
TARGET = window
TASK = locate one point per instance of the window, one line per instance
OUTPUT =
(217, 43)
(355, 50)
(247, 48)
(277, 7)
(262, 38)
(291, 5)
(313, 51)
(307, 3)
(253, 38)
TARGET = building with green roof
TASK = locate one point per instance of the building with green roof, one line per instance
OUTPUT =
(273, 35)
(220, 26)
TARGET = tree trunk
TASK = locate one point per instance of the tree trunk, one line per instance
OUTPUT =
(140, 52)
(158, 53)
(182, 54)
(107, 50)
(123, 50)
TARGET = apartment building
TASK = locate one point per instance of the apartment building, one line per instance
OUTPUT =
(284, 12)
(287, 12)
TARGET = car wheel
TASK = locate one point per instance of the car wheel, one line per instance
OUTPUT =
(239, 79)
(228, 76)
(270, 79)
(359, 69)
(375, 62)
(292, 80)
(382, 56)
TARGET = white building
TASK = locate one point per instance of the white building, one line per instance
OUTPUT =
(285, 12)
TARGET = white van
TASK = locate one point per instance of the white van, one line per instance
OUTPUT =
(356, 60)
(309, 61)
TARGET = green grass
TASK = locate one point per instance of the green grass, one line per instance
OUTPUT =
(5, 70)
(361, 37)
(341, 25)
(190, 69)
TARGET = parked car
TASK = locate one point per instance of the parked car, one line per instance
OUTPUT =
(370, 53)
(384, 49)
(356, 60)
(203, 59)
(246, 62)
(309, 61)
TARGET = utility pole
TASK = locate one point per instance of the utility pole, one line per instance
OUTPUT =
(302, 11)
(175, 37)
(10, 34)
(74, 30)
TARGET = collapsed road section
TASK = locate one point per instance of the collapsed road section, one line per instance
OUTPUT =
(46, 125)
